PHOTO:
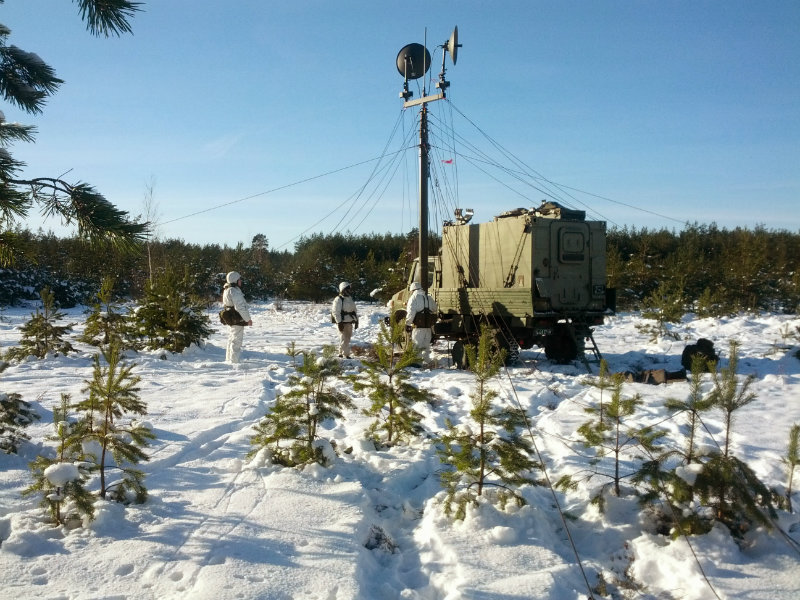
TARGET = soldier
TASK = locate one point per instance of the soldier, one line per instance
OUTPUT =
(343, 313)
(233, 296)
(420, 316)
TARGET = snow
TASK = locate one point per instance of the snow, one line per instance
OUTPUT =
(220, 525)
(61, 474)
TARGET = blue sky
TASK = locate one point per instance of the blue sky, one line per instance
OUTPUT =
(234, 113)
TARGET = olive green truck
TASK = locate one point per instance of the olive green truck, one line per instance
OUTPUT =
(536, 276)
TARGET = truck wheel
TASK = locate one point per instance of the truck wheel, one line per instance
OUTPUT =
(560, 346)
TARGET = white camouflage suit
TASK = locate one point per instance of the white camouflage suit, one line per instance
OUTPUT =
(421, 337)
(343, 311)
(233, 296)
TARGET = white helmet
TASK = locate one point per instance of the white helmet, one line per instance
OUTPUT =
(414, 286)
(343, 286)
(232, 277)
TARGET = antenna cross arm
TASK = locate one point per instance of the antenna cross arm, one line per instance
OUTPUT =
(423, 100)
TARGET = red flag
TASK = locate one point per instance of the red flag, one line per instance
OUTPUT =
(449, 161)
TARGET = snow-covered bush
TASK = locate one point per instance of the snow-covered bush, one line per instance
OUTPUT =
(386, 381)
(41, 335)
(290, 431)
(491, 451)
(113, 394)
(170, 317)
(106, 322)
(15, 414)
(61, 479)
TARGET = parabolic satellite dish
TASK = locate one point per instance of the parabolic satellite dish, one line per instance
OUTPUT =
(413, 61)
(453, 45)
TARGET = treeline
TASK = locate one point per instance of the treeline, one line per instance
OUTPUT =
(702, 268)
(705, 269)
(74, 270)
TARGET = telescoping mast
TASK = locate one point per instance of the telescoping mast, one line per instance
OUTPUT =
(413, 62)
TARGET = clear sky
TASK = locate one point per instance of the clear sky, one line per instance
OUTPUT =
(234, 113)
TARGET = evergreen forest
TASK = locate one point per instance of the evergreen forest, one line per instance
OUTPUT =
(703, 269)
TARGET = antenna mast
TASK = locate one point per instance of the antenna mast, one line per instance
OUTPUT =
(413, 61)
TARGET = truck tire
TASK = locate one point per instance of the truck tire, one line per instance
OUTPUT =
(560, 346)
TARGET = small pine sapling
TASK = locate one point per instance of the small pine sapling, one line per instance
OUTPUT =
(602, 382)
(710, 303)
(171, 317)
(113, 394)
(612, 437)
(694, 405)
(673, 484)
(489, 451)
(386, 381)
(792, 459)
(664, 305)
(726, 483)
(106, 323)
(41, 335)
(15, 414)
(290, 430)
(62, 479)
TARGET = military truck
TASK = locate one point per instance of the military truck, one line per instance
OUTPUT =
(535, 276)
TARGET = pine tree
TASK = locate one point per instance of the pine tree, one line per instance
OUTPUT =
(710, 303)
(386, 381)
(694, 405)
(664, 305)
(41, 335)
(170, 317)
(26, 81)
(290, 431)
(113, 394)
(726, 483)
(62, 479)
(602, 382)
(489, 451)
(792, 459)
(106, 324)
(611, 437)
(15, 414)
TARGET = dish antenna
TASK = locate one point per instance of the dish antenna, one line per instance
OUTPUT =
(452, 45)
(413, 62)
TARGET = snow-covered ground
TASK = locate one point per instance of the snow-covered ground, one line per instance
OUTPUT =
(219, 526)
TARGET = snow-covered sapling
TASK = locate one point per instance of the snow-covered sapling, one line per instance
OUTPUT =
(725, 482)
(117, 440)
(489, 450)
(668, 475)
(290, 430)
(106, 323)
(61, 479)
(170, 317)
(694, 405)
(41, 335)
(613, 437)
(386, 381)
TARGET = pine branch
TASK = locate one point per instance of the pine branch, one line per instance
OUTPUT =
(108, 17)
(25, 79)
